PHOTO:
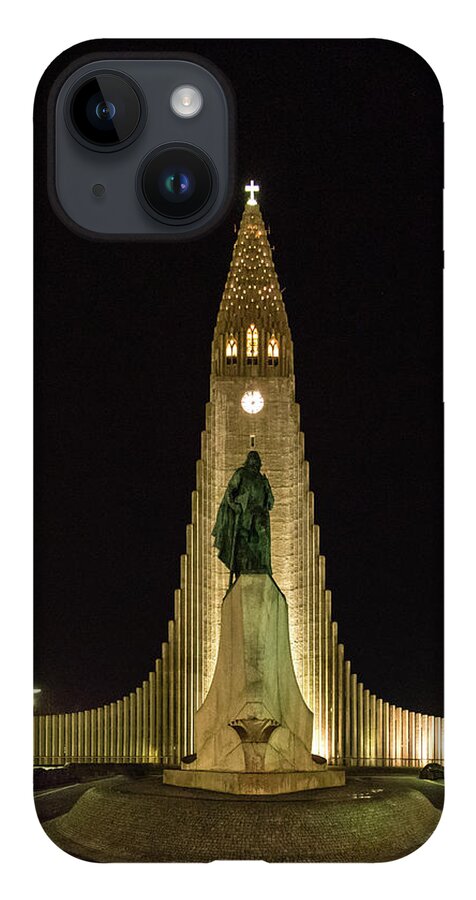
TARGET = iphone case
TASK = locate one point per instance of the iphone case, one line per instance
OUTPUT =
(263, 719)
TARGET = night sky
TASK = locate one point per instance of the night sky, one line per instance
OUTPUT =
(344, 138)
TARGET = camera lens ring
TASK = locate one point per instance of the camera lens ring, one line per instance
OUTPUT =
(177, 183)
(123, 105)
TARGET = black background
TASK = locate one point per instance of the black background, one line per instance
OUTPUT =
(345, 139)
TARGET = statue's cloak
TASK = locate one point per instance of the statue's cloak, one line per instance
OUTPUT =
(223, 532)
(242, 528)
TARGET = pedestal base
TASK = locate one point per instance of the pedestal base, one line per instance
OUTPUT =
(255, 782)
(254, 718)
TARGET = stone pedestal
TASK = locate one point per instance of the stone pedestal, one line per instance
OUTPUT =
(254, 730)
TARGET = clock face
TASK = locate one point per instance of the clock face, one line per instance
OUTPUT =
(252, 402)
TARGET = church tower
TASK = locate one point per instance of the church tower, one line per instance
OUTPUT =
(252, 406)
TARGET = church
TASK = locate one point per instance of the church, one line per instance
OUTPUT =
(252, 406)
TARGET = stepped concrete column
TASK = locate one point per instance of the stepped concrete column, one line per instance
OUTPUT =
(373, 729)
(380, 732)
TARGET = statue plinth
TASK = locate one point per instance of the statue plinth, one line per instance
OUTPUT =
(254, 730)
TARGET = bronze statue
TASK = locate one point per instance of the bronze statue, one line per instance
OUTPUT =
(242, 530)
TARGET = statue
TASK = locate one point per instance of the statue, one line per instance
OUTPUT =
(242, 530)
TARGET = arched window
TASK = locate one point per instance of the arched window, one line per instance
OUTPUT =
(273, 351)
(231, 351)
(252, 345)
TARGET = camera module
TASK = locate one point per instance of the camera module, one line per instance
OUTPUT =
(177, 183)
(106, 111)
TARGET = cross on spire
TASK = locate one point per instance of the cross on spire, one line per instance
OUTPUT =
(252, 189)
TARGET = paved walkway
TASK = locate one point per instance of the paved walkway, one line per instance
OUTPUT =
(371, 819)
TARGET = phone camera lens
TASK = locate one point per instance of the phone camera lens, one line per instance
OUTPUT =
(177, 182)
(176, 186)
(106, 111)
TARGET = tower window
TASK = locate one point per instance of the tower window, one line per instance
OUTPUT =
(231, 351)
(273, 351)
(252, 345)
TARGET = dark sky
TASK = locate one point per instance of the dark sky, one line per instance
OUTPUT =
(344, 138)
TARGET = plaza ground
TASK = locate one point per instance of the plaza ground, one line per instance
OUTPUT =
(374, 818)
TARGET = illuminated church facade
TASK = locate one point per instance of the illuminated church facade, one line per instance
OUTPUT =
(252, 406)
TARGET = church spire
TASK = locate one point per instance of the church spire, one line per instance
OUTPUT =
(252, 333)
